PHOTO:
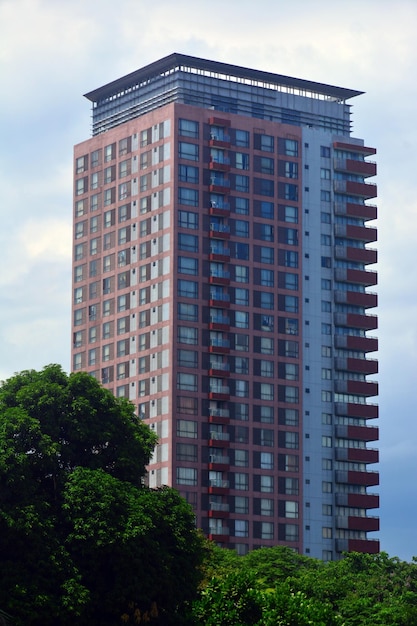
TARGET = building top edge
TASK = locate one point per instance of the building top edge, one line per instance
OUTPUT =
(181, 62)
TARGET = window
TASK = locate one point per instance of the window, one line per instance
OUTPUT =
(241, 161)
(266, 460)
(266, 255)
(187, 289)
(266, 300)
(267, 437)
(267, 368)
(186, 452)
(288, 214)
(325, 152)
(291, 147)
(242, 206)
(291, 169)
(242, 183)
(241, 274)
(266, 277)
(187, 312)
(242, 138)
(326, 261)
(188, 174)
(188, 196)
(266, 345)
(187, 335)
(187, 219)
(187, 265)
(188, 128)
(241, 228)
(186, 428)
(266, 210)
(326, 284)
(241, 319)
(186, 382)
(242, 505)
(242, 296)
(326, 442)
(186, 476)
(242, 342)
(325, 195)
(187, 242)
(264, 142)
(290, 192)
(241, 388)
(266, 165)
(241, 528)
(267, 484)
(241, 458)
(188, 151)
(324, 173)
(241, 481)
(241, 365)
(187, 358)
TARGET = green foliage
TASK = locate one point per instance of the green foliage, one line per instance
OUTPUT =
(277, 587)
(81, 539)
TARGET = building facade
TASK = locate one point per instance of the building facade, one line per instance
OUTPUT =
(221, 283)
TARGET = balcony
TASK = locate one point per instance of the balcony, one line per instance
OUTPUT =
(363, 366)
(367, 524)
(219, 277)
(219, 392)
(356, 320)
(217, 437)
(219, 463)
(354, 188)
(218, 252)
(219, 208)
(354, 148)
(218, 483)
(353, 342)
(368, 256)
(219, 322)
(351, 477)
(219, 299)
(358, 500)
(362, 211)
(362, 433)
(219, 369)
(218, 507)
(356, 298)
(365, 411)
(353, 166)
(367, 234)
(219, 184)
(367, 278)
(358, 387)
(219, 346)
(219, 140)
(368, 546)
(357, 455)
(216, 412)
(219, 121)
(219, 165)
(219, 231)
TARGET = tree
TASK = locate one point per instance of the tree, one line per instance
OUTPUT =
(81, 539)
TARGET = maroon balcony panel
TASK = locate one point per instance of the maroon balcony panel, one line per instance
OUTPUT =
(357, 298)
(367, 322)
(368, 524)
(363, 433)
(218, 514)
(219, 166)
(362, 500)
(221, 211)
(369, 546)
(362, 255)
(363, 478)
(351, 209)
(361, 233)
(362, 388)
(219, 121)
(351, 342)
(365, 190)
(349, 147)
(367, 411)
(366, 168)
(365, 366)
(363, 277)
(363, 455)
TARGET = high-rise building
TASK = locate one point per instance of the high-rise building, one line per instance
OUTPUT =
(221, 275)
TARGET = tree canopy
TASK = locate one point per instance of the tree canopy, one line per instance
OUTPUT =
(82, 540)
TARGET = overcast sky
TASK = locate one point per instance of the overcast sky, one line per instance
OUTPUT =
(54, 51)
